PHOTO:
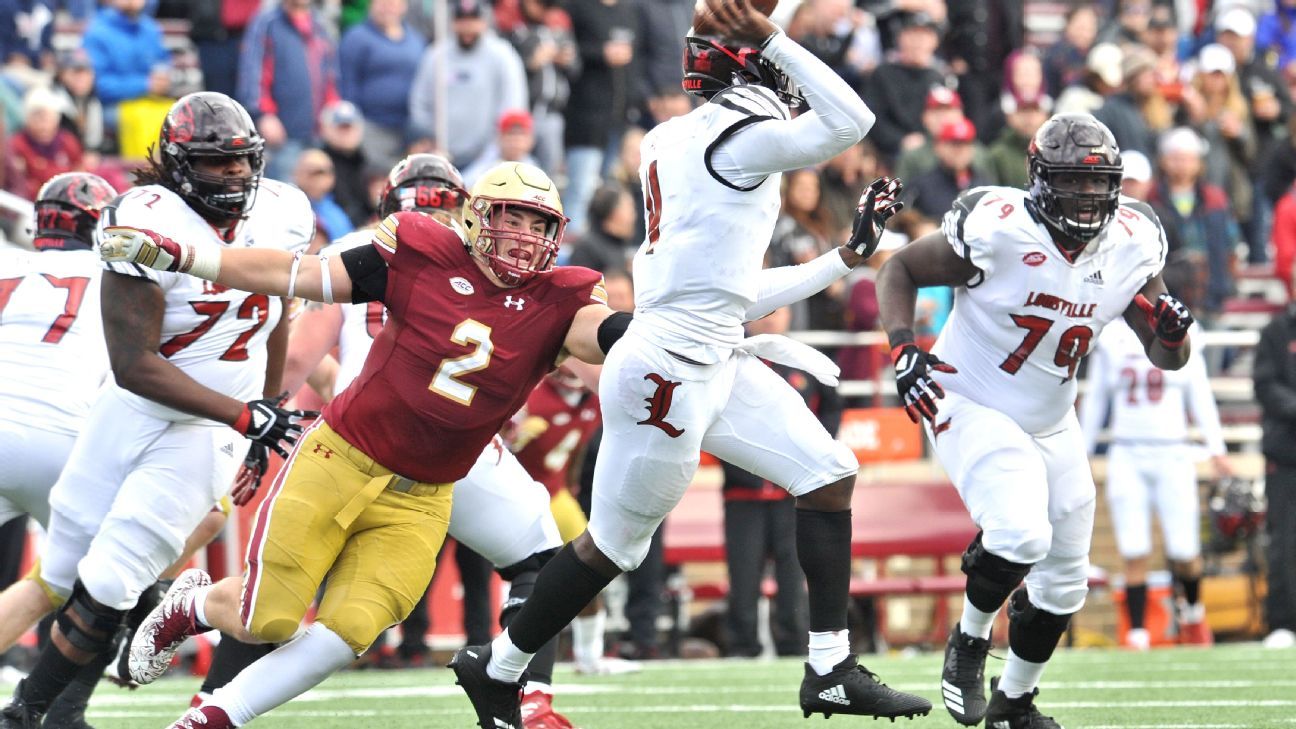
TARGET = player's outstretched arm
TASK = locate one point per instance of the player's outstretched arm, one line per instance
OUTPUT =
(259, 270)
(1161, 322)
(593, 331)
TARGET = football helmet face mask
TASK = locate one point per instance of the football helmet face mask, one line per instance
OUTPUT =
(67, 211)
(1075, 178)
(426, 183)
(515, 256)
(210, 125)
(710, 67)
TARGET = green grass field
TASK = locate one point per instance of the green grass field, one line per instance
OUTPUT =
(1242, 686)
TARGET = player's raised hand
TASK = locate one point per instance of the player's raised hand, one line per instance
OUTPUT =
(738, 21)
(918, 391)
(136, 245)
(1168, 317)
(264, 421)
(876, 206)
(248, 479)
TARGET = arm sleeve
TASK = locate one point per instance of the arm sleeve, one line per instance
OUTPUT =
(789, 284)
(839, 118)
(1093, 407)
(1202, 407)
(368, 271)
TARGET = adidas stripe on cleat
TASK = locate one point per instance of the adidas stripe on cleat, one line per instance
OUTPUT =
(852, 689)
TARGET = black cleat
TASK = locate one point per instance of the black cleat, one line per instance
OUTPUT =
(18, 715)
(498, 704)
(963, 677)
(852, 689)
(1018, 713)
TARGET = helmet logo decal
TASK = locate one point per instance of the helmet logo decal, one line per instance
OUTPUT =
(1092, 159)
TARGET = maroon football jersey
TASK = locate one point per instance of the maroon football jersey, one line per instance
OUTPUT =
(458, 355)
(550, 429)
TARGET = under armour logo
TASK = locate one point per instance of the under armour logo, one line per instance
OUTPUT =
(659, 405)
(323, 450)
(508, 301)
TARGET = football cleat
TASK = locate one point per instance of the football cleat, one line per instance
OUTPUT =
(1138, 639)
(853, 689)
(206, 717)
(18, 715)
(608, 666)
(166, 628)
(1018, 713)
(1198, 634)
(498, 704)
(963, 676)
(538, 712)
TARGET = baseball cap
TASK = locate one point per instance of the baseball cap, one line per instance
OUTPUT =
(340, 114)
(1136, 166)
(1137, 60)
(74, 58)
(468, 9)
(959, 130)
(1181, 139)
(943, 96)
(1216, 57)
(1104, 60)
(1236, 20)
(514, 118)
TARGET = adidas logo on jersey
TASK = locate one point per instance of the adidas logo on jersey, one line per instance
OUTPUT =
(1094, 278)
(228, 449)
(836, 694)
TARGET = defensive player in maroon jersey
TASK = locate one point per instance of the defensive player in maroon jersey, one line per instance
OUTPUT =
(476, 319)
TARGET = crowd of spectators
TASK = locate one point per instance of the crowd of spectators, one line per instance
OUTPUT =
(1202, 92)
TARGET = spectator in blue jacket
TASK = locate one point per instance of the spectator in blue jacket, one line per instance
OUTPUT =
(1276, 34)
(377, 61)
(130, 61)
(287, 75)
(315, 175)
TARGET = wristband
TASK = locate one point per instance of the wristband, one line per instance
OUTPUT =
(900, 337)
(292, 274)
(326, 282)
(205, 262)
(242, 421)
(769, 38)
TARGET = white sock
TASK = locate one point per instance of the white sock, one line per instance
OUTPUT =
(283, 675)
(199, 598)
(507, 661)
(1020, 676)
(587, 638)
(976, 623)
(533, 686)
(828, 649)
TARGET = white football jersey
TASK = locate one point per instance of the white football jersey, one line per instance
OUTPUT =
(1020, 327)
(215, 334)
(1148, 405)
(360, 322)
(695, 274)
(52, 354)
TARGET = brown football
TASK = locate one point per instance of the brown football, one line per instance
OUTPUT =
(702, 20)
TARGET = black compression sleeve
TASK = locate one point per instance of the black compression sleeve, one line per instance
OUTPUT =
(612, 329)
(368, 272)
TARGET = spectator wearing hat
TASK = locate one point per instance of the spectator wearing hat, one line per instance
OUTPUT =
(1128, 113)
(484, 77)
(1136, 175)
(889, 91)
(125, 46)
(943, 105)
(316, 176)
(342, 129)
(74, 84)
(933, 192)
(1102, 78)
(514, 143)
(377, 60)
(543, 38)
(41, 148)
(287, 75)
(1127, 24)
(1006, 157)
(1198, 211)
(1065, 61)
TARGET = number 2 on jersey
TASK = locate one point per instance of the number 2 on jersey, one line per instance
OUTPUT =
(1072, 346)
(446, 382)
(75, 286)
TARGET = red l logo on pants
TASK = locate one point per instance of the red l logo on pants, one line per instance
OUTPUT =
(659, 405)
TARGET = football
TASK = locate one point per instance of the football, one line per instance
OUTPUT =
(702, 24)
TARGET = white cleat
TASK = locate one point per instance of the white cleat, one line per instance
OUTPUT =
(1280, 638)
(1138, 639)
(166, 628)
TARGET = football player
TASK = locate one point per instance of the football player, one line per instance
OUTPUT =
(683, 379)
(475, 319)
(192, 364)
(1151, 464)
(1037, 274)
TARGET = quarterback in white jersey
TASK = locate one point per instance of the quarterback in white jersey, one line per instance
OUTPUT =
(1151, 465)
(162, 444)
(1037, 276)
(683, 379)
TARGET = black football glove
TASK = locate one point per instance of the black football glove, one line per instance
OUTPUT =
(876, 206)
(1168, 317)
(918, 391)
(248, 479)
(263, 421)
